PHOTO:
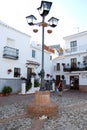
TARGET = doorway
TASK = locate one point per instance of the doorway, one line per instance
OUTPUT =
(74, 82)
(57, 79)
(29, 71)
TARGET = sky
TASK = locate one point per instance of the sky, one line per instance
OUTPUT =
(71, 14)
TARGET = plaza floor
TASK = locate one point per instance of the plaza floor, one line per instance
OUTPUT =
(72, 113)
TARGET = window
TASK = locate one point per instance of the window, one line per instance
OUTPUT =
(33, 53)
(10, 42)
(73, 62)
(73, 46)
(85, 60)
(58, 66)
(16, 72)
(50, 57)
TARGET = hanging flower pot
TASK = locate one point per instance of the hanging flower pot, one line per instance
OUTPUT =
(47, 75)
(9, 71)
(39, 74)
(78, 62)
(44, 24)
(35, 30)
(49, 31)
(63, 64)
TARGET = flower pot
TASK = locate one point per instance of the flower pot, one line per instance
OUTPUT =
(49, 31)
(7, 94)
(35, 30)
(44, 24)
(1, 94)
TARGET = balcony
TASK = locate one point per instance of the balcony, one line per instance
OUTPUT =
(76, 49)
(68, 68)
(10, 53)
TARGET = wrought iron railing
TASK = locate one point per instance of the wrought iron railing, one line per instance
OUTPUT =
(69, 68)
(10, 53)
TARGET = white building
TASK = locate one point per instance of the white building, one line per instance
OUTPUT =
(73, 64)
(19, 57)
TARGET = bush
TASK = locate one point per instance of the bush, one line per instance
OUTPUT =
(28, 86)
(6, 89)
(36, 83)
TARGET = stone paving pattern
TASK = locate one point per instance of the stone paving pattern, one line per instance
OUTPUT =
(72, 114)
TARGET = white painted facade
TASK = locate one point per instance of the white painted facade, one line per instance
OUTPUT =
(75, 60)
(19, 46)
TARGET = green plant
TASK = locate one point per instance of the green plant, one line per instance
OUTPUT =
(6, 90)
(23, 78)
(53, 80)
(33, 74)
(63, 77)
(36, 84)
(28, 86)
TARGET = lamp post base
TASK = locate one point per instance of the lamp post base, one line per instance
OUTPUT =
(42, 105)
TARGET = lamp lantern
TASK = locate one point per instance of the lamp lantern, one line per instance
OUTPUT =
(31, 19)
(44, 8)
(53, 22)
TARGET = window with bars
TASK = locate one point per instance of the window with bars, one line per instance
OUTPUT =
(58, 66)
(16, 72)
(74, 62)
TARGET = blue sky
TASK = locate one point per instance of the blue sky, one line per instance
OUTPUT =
(72, 14)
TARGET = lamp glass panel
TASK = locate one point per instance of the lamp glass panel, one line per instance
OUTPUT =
(44, 8)
(40, 10)
(46, 5)
(31, 19)
(53, 21)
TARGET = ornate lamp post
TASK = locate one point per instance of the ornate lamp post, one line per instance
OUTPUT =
(52, 22)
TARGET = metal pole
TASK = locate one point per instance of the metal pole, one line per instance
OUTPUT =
(42, 71)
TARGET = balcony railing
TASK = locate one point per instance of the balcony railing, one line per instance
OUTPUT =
(10, 53)
(76, 49)
(81, 67)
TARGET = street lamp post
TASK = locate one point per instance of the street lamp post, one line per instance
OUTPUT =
(43, 11)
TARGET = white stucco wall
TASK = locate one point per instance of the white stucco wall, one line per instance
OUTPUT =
(81, 39)
(22, 42)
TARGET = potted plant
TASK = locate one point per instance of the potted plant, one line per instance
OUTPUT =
(1, 94)
(23, 78)
(6, 90)
(63, 77)
(28, 86)
(47, 75)
(9, 71)
(36, 83)
(53, 80)
(78, 62)
(39, 74)
(33, 74)
(63, 64)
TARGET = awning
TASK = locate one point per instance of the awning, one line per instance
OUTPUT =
(32, 63)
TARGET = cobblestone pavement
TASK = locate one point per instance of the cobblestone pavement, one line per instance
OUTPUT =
(72, 114)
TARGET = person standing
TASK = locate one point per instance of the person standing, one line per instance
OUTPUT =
(60, 88)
